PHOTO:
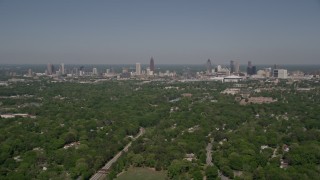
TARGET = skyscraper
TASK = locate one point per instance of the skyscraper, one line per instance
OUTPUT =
(253, 70)
(209, 67)
(151, 64)
(249, 68)
(237, 67)
(232, 67)
(29, 72)
(50, 69)
(280, 73)
(138, 69)
(62, 68)
(94, 71)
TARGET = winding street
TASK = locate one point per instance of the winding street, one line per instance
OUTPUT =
(209, 160)
(102, 173)
(209, 154)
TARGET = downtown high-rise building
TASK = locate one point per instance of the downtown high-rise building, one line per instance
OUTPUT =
(209, 66)
(280, 73)
(94, 71)
(251, 70)
(151, 64)
(30, 73)
(62, 69)
(138, 69)
(50, 69)
(236, 67)
(232, 66)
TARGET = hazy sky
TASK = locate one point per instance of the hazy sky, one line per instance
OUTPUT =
(173, 31)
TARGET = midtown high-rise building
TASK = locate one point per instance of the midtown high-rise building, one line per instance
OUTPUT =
(209, 67)
(232, 66)
(138, 69)
(50, 69)
(95, 71)
(254, 70)
(237, 67)
(151, 64)
(29, 72)
(251, 70)
(62, 69)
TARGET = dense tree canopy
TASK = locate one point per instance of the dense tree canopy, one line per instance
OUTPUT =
(79, 127)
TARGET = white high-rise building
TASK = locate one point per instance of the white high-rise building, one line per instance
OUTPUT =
(280, 73)
(94, 71)
(29, 72)
(148, 71)
(236, 67)
(219, 68)
(138, 69)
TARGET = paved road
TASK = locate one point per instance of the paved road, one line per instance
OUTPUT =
(102, 173)
(209, 154)
(209, 160)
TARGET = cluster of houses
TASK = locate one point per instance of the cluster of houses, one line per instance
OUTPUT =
(7, 116)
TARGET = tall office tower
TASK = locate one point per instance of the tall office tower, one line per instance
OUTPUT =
(138, 69)
(209, 67)
(151, 64)
(218, 68)
(275, 66)
(62, 69)
(232, 67)
(53, 69)
(50, 69)
(249, 68)
(253, 70)
(29, 72)
(75, 71)
(94, 71)
(237, 67)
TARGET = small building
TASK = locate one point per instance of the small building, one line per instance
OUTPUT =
(190, 157)
(231, 91)
(217, 79)
(186, 95)
(257, 100)
(232, 78)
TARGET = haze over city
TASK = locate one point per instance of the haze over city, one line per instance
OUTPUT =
(159, 89)
(173, 32)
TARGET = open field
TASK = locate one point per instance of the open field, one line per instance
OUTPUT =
(142, 174)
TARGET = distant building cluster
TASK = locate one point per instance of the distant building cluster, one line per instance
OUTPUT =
(212, 72)
(257, 100)
(139, 71)
(232, 73)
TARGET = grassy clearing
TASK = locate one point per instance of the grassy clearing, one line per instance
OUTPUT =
(142, 174)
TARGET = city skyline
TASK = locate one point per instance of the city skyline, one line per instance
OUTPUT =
(179, 32)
